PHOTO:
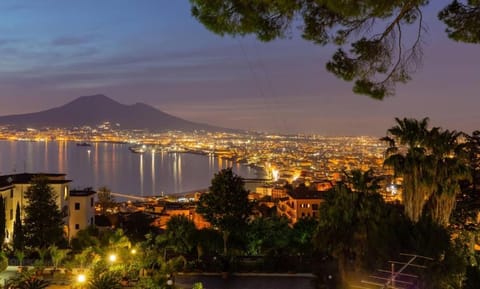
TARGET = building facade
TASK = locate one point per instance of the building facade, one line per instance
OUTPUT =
(13, 188)
(300, 203)
(81, 211)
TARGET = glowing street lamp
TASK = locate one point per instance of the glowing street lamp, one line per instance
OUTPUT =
(170, 280)
(112, 258)
(81, 280)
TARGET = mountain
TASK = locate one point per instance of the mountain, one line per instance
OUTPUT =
(96, 109)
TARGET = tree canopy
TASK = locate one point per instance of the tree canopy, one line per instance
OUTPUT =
(226, 205)
(43, 219)
(432, 162)
(373, 49)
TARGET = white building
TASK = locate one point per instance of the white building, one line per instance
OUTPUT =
(13, 188)
(81, 204)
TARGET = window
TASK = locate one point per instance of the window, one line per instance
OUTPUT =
(11, 193)
(77, 206)
(314, 206)
(91, 202)
(303, 214)
(91, 221)
(11, 214)
(77, 226)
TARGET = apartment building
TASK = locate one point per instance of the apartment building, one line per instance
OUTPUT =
(14, 186)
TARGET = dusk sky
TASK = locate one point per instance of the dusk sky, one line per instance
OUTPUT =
(152, 51)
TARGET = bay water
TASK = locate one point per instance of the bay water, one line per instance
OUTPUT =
(113, 165)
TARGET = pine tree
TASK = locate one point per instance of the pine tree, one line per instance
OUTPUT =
(2, 220)
(43, 219)
(18, 234)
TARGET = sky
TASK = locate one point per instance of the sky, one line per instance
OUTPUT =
(153, 51)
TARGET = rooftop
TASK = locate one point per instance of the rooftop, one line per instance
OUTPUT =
(304, 193)
(26, 178)
(82, 193)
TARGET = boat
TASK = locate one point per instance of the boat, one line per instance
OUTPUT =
(84, 144)
(138, 149)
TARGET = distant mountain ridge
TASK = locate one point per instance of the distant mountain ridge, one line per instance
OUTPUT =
(96, 109)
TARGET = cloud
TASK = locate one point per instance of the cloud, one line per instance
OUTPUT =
(70, 40)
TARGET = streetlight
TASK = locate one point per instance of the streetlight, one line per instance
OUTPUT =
(81, 279)
(133, 251)
(112, 258)
(169, 280)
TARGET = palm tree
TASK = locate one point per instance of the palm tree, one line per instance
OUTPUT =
(362, 181)
(42, 252)
(473, 149)
(25, 280)
(33, 283)
(180, 233)
(20, 256)
(118, 240)
(431, 162)
(57, 255)
(107, 280)
(450, 162)
(407, 155)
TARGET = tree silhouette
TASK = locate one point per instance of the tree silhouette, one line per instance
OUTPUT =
(2, 220)
(226, 205)
(373, 51)
(180, 233)
(412, 163)
(43, 219)
(431, 162)
(451, 167)
(473, 150)
(18, 234)
(105, 199)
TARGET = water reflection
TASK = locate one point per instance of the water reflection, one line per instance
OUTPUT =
(153, 173)
(114, 166)
(141, 175)
(45, 156)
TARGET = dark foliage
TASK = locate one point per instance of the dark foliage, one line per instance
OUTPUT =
(43, 219)
(226, 205)
(18, 233)
(2, 219)
(137, 225)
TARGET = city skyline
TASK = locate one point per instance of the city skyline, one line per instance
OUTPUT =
(156, 53)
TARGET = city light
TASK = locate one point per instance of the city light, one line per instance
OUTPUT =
(275, 174)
